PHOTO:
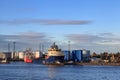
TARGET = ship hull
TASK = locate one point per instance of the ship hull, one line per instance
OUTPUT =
(55, 60)
(37, 60)
(28, 60)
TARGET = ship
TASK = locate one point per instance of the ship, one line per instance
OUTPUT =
(38, 57)
(28, 58)
(54, 56)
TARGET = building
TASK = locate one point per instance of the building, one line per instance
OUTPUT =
(86, 55)
(77, 55)
(67, 55)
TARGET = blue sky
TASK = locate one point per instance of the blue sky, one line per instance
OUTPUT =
(89, 24)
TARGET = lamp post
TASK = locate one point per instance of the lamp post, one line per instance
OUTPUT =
(8, 47)
(14, 49)
(39, 47)
(69, 50)
(14, 46)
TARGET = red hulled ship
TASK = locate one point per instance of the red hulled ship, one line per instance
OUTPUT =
(28, 58)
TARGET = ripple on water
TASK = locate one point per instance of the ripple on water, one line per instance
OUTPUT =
(23, 71)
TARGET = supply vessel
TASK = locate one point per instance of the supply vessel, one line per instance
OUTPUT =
(54, 56)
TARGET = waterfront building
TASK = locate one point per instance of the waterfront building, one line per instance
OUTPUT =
(66, 55)
(81, 55)
(21, 55)
(4, 56)
(38, 54)
(85, 55)
(14, 55)
(77, 55)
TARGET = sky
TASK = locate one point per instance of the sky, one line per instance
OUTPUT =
(87, 24)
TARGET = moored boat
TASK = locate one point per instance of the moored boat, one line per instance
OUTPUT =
(4, 61)
(54, 56)
(28, 58)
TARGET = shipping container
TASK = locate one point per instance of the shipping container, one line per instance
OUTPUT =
(77, 55)
(67, 55)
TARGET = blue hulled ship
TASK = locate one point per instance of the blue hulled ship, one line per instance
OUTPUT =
(54, 55)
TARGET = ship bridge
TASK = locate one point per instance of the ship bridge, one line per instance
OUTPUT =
(54, 47)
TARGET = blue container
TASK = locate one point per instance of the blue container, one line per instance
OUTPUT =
(77, 55)
(67, 55)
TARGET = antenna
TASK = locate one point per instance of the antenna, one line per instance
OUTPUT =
(69, 49)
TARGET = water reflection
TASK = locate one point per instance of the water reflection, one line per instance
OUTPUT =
(53, 71)
(22, 71)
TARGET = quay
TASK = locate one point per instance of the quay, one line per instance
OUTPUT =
(56, 56)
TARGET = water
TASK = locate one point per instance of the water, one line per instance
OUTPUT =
(23, 71)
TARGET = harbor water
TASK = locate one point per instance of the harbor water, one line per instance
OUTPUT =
(31, 71)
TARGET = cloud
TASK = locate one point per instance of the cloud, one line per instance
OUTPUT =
(107, 34)
(94, 39)
(23, 36)
(83, 38)
(27, 9)
(65, 22)
(95, 43)
(24, 40)
(44, 22)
